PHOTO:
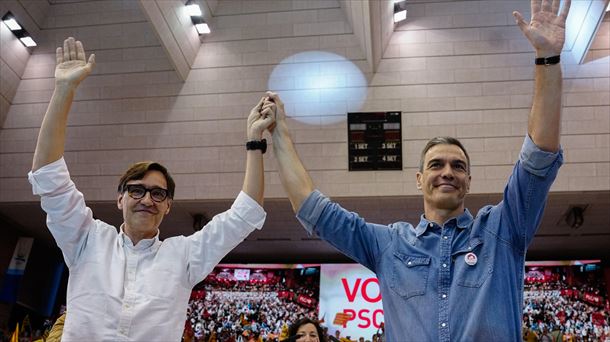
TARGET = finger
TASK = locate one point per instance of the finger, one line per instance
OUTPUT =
(268, 105)
(555, 6)
(90, 63)
(535, 6)
(72, 46)
(66, 50)
(91, 60)
(565, 9)
(523, 25)
(267, 121)
(546, 5)
(275, 97)
(259, 105)
(266, 112)
(80, 51)
(59, 55)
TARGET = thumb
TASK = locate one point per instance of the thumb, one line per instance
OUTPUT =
(520, 21)
(90, 62)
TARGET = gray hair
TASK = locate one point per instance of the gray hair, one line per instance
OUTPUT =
(442, 141)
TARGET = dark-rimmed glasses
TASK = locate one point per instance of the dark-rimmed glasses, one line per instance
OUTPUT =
(138, 191)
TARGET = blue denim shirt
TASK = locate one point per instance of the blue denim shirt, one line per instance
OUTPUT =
(429, 291)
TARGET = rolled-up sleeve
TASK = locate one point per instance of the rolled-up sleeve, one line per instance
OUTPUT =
(537, 161)
(311, 209)
(221, 235)
(68, 218)
(249, 210)
(49, 178)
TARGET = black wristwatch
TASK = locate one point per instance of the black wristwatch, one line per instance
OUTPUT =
(547, 60)
(257, 145)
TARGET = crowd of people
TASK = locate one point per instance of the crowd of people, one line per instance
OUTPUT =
(246, 315)
(260, 308)
(554, 311)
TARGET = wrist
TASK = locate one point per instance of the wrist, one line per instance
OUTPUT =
(65, 87)
(280, 129)
(255, 136)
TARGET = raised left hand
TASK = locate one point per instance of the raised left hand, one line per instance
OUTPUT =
(546, 30)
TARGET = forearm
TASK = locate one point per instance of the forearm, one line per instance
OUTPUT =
(254, 180)
(294, 177)
(52, 135)
(544, 124)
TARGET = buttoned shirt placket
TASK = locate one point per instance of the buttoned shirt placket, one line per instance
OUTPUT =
(126, 315)
(444, 279)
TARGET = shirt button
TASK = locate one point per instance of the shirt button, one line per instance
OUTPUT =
(430, 225)
(443, 325)
(409, 263)
(445, 237)
(444, 296)
(444, 265)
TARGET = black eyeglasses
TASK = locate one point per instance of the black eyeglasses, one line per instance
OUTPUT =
(138, 191)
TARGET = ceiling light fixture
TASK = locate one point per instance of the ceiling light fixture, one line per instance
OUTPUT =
(28, 41)
(400, 11)
(194, 11)
(9, 20)
(12, 24)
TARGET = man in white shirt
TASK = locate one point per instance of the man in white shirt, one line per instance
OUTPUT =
(127, 285)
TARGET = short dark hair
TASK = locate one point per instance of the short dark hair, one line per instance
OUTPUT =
(294, 327)
(138, 171)
(442, 141)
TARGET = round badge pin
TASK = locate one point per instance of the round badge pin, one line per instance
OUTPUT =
(471, 259)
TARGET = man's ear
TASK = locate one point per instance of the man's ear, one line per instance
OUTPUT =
(468, 185)
(119, 202)
(169, 206)
(418, 175)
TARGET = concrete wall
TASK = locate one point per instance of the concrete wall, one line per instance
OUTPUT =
(13, 55)
(455, 68)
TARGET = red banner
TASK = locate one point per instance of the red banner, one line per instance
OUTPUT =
(593, 299)
(306, 301)
(598, 319)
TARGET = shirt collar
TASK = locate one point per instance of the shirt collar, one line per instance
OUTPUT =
(124, 240)
(462, 222)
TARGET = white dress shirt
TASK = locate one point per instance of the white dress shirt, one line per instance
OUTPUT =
(121, 292)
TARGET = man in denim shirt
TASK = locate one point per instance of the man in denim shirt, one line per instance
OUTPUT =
(452, 276)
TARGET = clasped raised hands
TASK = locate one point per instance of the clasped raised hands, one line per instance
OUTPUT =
(72, 67)
(261, 117)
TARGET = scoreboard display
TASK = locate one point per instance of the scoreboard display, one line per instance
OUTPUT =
(375, 141)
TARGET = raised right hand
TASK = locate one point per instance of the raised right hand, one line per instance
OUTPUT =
(71, 66)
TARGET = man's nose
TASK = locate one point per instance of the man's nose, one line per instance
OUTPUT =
(447, 172)
(147, 199)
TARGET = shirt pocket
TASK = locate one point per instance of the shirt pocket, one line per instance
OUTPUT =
(162, 284)
(410, 275)
(473, 275)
